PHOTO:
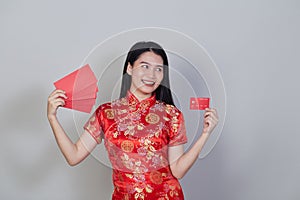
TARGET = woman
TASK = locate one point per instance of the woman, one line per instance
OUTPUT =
(143, 131)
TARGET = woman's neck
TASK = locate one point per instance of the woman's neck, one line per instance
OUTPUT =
(140, 96)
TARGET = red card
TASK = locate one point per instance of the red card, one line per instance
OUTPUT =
(199, 103)
(81, 89)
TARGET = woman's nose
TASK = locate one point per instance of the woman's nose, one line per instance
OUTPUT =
(151, 72)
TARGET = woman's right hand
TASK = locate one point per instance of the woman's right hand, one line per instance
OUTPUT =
(55, 99)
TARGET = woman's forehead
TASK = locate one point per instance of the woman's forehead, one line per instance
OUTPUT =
(150, 58)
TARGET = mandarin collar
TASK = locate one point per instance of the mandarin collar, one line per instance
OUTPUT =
(133, 100)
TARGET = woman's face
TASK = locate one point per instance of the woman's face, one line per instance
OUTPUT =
(146, 74)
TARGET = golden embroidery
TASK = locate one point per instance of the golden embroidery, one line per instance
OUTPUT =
(144, 105)
(149, 189)
(115, 134)
(152, 148)
(147, 142)
(149, 155)
(120, 112)
(139, 190)
(130, 130)
(127, 146)
(155, 177)
(109, 113)
(157, 133)
(152, 118)
(124, 101)
(140, 126)
(91, 127)
(92, 118)
(126, 197)
(138, 163)
(129, 175)
(136, 195)
(126, 157)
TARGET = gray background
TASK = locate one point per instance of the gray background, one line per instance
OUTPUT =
(254, 43)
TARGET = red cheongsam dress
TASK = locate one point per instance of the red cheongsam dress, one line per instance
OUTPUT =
(137, 135)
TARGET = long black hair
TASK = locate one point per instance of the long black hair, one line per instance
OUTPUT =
(163, 92)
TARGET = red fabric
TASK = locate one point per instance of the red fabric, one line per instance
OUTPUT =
(136, 136)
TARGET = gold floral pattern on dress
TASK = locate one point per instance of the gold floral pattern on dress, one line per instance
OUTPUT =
(152, 118)
(90, 125)
(156, 177)
(140, 126)
(109, 113)
(127, 146)
(126, 197)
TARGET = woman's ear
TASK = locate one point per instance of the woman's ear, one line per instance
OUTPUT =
(129, 69)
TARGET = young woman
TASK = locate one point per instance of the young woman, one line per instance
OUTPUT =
(142, 131)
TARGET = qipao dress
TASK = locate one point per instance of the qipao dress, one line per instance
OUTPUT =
(137, 135)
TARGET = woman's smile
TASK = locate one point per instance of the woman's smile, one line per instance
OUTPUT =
(146, 82)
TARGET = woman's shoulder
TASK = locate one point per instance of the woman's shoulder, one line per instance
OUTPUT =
(110, 104)
(169, 108)
(103, 106)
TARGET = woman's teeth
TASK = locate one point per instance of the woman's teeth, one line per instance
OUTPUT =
(148, 82)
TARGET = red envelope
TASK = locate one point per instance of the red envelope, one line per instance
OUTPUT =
(77, 81)
(81, 89)
(87, 93)
(199, 103)
(84, 105)
(85, 78)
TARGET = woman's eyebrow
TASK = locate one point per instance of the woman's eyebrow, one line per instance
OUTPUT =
(144, 62)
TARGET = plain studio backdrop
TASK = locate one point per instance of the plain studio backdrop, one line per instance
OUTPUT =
(255, 45)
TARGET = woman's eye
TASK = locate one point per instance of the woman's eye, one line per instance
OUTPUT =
(145, 66)
(159, 69)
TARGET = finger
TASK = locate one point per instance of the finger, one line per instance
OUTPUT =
(57, 92)
(207, 122)
(212, 114)
(209, 126)
(211, 120)
(57, 101)
(207, 113)
(62, 95)
(212, 110)
(58, 95)
(215, 112)
(214, 117)
(208, 119)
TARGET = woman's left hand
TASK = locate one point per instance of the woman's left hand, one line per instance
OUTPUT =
(210, 120)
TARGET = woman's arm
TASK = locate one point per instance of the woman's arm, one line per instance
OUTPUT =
(73, 153)
(180, 161)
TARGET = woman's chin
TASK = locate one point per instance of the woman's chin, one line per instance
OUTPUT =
(146, 89)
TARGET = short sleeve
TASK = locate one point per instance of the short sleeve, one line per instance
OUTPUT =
(93, 126)
(177, 130)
